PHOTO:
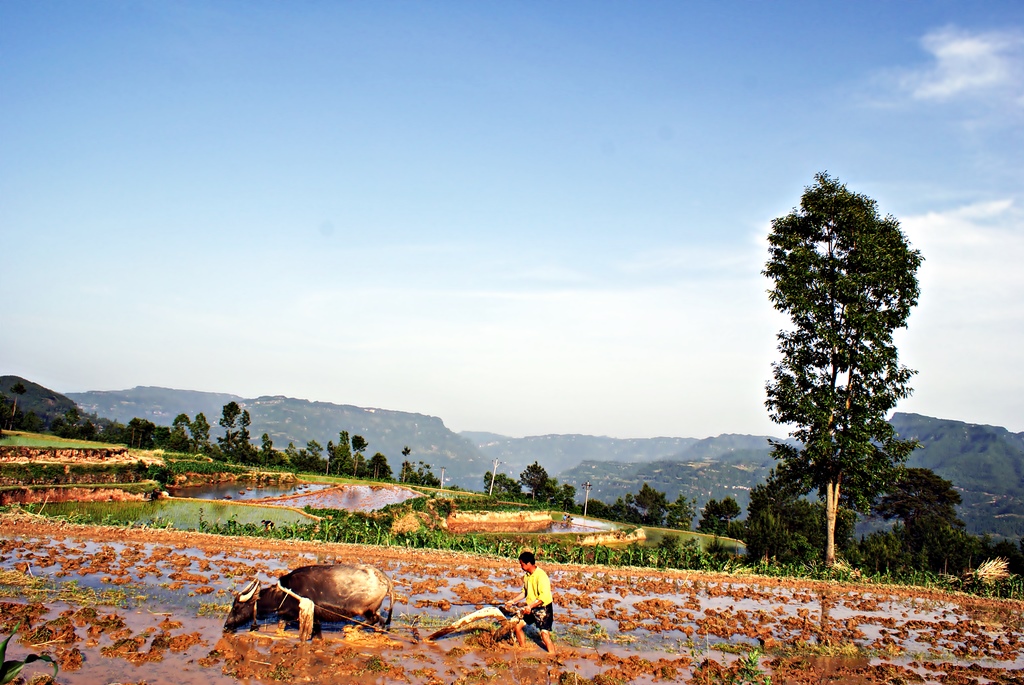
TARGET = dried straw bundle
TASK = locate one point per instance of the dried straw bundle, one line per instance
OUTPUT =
(992, 570)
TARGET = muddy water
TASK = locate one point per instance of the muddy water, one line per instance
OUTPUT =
(633, 625)
(362, 498)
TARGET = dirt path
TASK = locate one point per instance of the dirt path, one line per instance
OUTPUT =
(612, 625)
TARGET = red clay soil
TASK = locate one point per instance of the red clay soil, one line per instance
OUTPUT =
(612, 625)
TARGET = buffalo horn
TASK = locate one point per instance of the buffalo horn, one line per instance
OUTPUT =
(249, 591)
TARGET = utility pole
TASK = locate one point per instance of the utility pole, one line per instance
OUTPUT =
(586, 499)
(494, 474)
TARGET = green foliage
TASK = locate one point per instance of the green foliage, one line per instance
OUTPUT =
(419, 475)
(378, 467)
(651, 505)
(534, 478)
(716, 516)
(679, 514)
(29, 406)
(503, 485)
(12, 667)
(847, 280)
(784, 526)
(35, 473)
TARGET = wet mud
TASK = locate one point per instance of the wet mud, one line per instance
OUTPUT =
(611, 625)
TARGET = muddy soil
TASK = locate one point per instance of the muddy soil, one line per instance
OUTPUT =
(611, 625)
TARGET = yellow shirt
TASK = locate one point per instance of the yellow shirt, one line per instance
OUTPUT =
(537, 585)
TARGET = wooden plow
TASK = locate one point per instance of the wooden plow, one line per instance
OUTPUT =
(507, 622)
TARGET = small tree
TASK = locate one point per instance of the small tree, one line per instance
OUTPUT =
(846, 278)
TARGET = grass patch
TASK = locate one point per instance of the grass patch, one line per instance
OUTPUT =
(209, 609)
(164, 513)
(23, 585)
(656, 535)
(23, 439)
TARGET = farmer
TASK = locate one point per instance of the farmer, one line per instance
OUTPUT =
(537, 593)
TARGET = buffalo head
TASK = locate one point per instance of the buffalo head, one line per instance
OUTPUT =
(243, 609)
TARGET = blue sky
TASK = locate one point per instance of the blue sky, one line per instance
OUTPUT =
(521, 217)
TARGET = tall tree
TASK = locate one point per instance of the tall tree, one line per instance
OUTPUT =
(406, 451)
(200, 430)
(230, 414)
(847, 279)
(359, 446)
(18, 389)
(245, 452)
(341, 459)
(267, 452)
(534, 478)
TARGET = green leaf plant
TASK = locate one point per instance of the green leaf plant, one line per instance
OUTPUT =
(11, 668)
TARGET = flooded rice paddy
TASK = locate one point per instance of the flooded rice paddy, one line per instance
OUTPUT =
(245, 493)
(612, 625)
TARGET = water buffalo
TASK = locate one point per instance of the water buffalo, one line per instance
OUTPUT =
(336, 591)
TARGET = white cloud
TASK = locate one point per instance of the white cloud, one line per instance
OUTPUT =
(967, 64)
(966, 338)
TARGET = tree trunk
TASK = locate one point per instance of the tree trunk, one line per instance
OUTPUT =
(831, 512)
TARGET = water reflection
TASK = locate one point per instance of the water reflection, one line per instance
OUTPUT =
(244, 492)
(349, 497)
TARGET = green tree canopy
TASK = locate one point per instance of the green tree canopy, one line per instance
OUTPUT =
(651, 504)
(846, 278)
(200, 430)
(534, 479)
(359, 446)
(717, 514)
(679, 514)
(378, 467)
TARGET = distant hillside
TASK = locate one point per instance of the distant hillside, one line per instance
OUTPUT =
(43, 402)
(159, 405)
(560, 452)
(712, 468)
(985, 463)
(287, 420)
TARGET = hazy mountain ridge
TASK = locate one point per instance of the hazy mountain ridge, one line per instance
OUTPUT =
(559, 452)
(287, 419)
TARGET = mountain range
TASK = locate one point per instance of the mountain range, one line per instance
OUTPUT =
(985, 463)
